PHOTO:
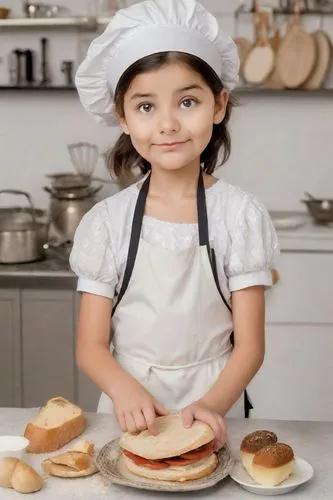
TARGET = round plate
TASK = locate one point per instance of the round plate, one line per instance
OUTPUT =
(303, 473)
(112, 468)
(288, 220)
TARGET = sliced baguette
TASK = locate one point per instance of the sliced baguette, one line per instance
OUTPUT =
(57, 423)
(63, 471)
(84, 447)
(173, 439)
(73, 459)
(183, 473)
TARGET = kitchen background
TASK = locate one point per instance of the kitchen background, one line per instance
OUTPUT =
(282, 142)
(282, 147)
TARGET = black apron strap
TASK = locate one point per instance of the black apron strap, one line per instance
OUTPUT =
(202, 213)
(204, 240)
(134, 239)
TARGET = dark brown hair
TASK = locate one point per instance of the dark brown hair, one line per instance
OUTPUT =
(122, 159)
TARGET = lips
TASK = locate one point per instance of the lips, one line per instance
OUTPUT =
(173, 144)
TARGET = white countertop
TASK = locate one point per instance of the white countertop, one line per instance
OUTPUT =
(307, 238)
(310, 440)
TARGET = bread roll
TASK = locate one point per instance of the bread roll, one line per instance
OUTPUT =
(180, 473)
(7, 466)
(25, 479)
(252, 443)
(273, 464)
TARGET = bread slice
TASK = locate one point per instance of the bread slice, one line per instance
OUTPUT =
(172, 440)
(73, 459)
(183, 473)
(57, 423)
(63, 471)
(84, 447)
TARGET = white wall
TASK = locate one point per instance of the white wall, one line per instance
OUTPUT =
(282, 144)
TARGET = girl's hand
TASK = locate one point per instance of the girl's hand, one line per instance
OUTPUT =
(198, 411)
(135, 408)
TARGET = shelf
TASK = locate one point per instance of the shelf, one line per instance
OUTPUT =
(36, 88)
(55, 22)
(262, 90)
(239, 90)
(242, 9)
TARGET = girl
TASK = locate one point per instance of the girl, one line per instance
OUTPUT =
(174, 266)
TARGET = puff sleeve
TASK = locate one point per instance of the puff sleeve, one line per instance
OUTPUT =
(253, 247)
(92, 258)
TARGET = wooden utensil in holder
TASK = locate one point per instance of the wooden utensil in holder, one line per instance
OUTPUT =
(274, 81)
(323, 61)
(260, 61)
(296, 56)
(244, 47)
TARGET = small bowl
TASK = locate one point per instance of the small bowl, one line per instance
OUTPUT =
(13, 446)
(4, 13)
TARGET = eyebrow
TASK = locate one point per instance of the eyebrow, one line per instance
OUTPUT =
(194, 86)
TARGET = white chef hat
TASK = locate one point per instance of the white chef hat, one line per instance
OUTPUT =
(146, 28)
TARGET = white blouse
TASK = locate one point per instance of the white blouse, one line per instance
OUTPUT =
(240, 231)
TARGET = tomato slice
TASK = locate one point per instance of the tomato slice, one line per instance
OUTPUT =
(156, 465)
(151, 464)
(135, 458)
(180, 461)
(203, 451)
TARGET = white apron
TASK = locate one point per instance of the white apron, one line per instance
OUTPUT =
(171, 329)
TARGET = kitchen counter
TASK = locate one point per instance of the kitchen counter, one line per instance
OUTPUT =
(310, 440)
(37, 274)
(307, 238)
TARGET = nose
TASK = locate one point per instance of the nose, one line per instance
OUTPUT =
(168, 122)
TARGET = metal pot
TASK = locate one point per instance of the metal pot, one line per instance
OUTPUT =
(68, 207)
(22, 233)
(320, 209)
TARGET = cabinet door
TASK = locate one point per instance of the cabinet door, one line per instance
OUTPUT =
(295, 381)
(10, 346)
(87, 392)
(48, 346)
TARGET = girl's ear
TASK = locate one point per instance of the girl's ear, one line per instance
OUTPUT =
(123, 125)
(221, 102)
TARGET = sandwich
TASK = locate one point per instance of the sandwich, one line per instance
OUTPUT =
(175, 454)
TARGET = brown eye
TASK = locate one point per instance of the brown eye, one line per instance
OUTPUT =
(145, 108)
(189, 103)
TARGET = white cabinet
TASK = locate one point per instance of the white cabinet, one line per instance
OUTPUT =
(296, 379)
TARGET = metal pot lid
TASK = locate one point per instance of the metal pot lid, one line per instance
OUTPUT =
(21, 214)
(69, 181)
(74, 193)
(10, 226)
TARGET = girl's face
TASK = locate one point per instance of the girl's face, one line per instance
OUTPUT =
(169, 114)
